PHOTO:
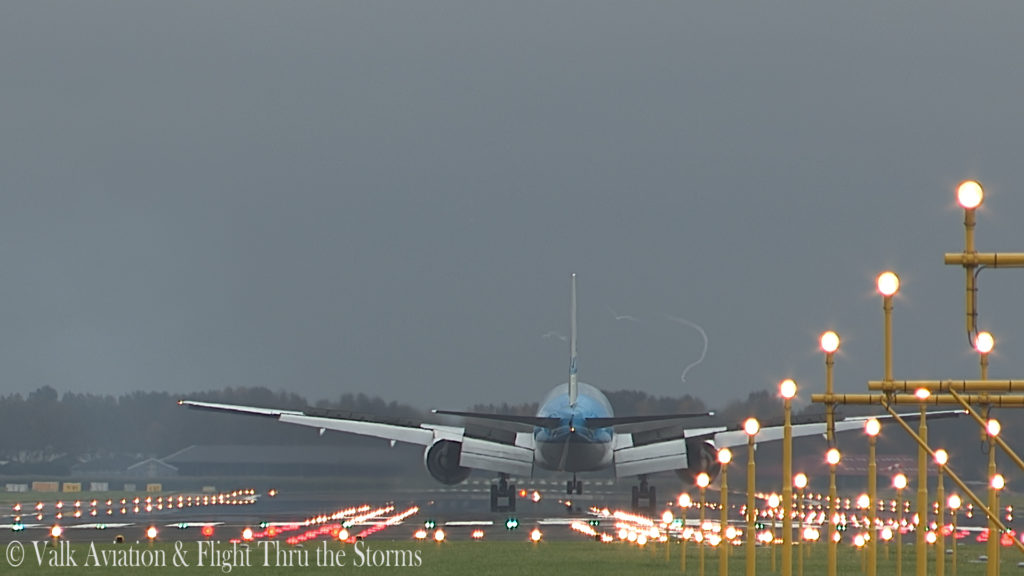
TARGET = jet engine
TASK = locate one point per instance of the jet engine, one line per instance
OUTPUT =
(442, 461)
(702, 457)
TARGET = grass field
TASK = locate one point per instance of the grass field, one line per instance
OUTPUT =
(471, 558)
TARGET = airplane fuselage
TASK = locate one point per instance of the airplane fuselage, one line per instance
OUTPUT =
(573, 446)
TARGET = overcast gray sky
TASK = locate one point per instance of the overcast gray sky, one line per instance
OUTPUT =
(388, 197)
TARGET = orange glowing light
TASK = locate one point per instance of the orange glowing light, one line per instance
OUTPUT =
(872, 427)
(751, 426)
(829, 342)
(888, 283)
(787, 389)
(970, 194)
(984, 342)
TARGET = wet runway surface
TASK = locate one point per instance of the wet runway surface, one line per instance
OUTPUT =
(462, 512)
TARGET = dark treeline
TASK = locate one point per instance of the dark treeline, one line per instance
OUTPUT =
(45, 425)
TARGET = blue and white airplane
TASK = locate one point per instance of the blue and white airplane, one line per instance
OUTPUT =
(573, 431)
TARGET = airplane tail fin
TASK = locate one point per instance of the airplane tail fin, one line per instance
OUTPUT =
(573, 386)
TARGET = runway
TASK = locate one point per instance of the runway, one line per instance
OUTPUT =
(462, 512)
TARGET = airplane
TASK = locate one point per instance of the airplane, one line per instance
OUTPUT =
(574, 430)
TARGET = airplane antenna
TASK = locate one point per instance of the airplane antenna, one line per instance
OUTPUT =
(573, 386)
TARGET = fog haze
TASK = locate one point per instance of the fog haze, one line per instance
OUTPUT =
(389, 197)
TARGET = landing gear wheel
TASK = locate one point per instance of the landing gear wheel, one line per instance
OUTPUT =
(645, 498)
(573, 485)
(503, 495)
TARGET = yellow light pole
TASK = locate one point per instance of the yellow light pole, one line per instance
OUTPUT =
(954, 507)
(724, 457)
(984, 343)
(800, 483)
(888, 284)
(830, 344)
(832, 457)
(941, 457)
(702, 483)
(872, 427)
(788, 390)
(997, 482)
(684, 502)
(921, 553)
(970, 195)
(774, 501)
(993, 428)
(899, 482)
(751, 426)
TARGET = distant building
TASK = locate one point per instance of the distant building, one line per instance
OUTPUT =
(151, 468)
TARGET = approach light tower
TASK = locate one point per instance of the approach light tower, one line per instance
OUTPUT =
(787, 389)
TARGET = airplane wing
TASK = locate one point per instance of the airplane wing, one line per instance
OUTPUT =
(474, 448)
(676, 449)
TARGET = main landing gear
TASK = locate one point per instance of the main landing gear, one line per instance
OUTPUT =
(574, 485)
(503, 495)
(644, 498)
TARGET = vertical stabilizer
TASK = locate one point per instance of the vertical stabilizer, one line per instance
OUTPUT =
(573, 386)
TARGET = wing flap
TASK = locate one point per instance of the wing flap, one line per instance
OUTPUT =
(496, 457)
(374, 429)
(651, 458)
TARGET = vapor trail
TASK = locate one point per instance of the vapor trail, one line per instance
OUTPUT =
(703, 352)
(623, 316)
(553, 334)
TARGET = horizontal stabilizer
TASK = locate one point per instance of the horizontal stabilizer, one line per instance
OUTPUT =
(537, 421)
(624, 420)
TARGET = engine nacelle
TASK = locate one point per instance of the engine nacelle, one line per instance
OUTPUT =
(702, 457)
(442, 461)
